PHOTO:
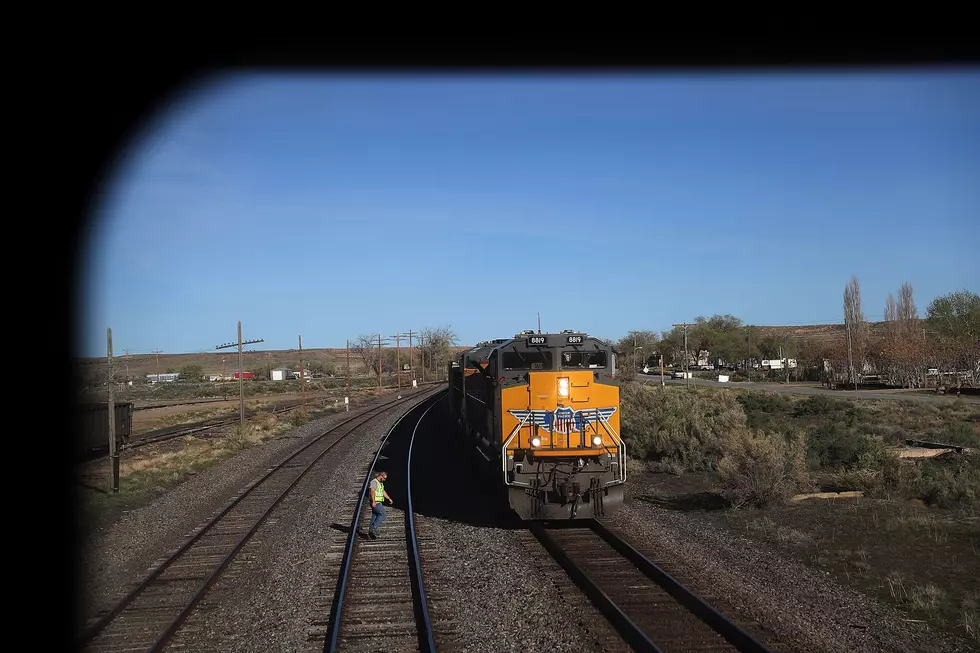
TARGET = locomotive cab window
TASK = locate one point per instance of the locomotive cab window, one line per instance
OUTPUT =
(527, 360)
(583, 359)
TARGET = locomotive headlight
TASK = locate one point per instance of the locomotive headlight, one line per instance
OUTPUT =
(563, 386)
(535, 442)
(597, 440)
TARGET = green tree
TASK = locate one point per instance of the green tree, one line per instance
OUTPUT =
(191, 372)
(639, 346)
(955, 315)
(954, 320)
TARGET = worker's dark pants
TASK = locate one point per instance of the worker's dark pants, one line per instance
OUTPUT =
(377, 516)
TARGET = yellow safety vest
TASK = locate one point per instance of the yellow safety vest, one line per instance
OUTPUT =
(379, 492)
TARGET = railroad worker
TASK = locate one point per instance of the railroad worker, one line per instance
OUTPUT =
(377, 495)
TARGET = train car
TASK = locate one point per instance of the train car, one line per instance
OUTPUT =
(541, 411)
(92, 437)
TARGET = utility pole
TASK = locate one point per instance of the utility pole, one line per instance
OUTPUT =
(786, 359)
(347, 395)
(113, 451)
(398, 362)
(380, 363)
(539, 321)
(411, 354)
(302, 373)
(241, 371)
(687, 380)
(422, 355)
(158, 352)
(663, 384)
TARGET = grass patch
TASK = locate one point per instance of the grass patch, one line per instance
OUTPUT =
(144, 475)
(913, 541)
(923, 560)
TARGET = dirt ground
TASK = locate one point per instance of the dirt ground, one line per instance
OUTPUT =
(924, 560)
(155, 418)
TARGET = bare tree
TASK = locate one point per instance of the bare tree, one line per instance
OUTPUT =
(906, 314)
(366, 348)
(856, 327)
(891, 312)
(434, 348)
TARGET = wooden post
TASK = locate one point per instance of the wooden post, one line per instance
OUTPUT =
(302, 374)
(113, 451)
(347, 395)
(241, 381)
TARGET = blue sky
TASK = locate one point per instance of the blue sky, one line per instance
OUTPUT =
(334, 206)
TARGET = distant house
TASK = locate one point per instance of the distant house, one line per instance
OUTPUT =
(169, 377)
(280, 374)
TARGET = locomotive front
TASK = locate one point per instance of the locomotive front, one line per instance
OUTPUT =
(559, 422)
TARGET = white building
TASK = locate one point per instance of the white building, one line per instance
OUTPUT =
(280, 374)
(170, 377)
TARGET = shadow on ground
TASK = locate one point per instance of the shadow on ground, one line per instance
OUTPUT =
(696, 501)
(446, 482)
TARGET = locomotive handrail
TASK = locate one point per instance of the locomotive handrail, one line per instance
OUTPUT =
(620, 448)
(503, 451)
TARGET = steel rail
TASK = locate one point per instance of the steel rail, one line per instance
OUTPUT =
(632, 633)
(91, 632)
(345, 564)
(721, 624)
(426, 644)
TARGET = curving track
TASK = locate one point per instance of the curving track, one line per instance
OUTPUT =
(149, 615)
(380, 601)
(651, 610)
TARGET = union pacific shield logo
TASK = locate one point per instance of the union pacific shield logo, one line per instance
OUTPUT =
(563, 419)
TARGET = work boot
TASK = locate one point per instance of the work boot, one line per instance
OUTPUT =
(372, 535)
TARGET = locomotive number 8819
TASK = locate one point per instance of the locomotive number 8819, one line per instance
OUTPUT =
(542, 412)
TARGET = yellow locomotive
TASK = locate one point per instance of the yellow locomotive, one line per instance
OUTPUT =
(542, 412)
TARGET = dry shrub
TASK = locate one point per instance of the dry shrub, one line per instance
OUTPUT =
(264, 421)
(242, 437)
(299, 418)
(684, 429)
(761, 468)
(950, 480)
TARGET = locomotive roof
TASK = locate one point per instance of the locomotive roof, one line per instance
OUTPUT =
(527, 341)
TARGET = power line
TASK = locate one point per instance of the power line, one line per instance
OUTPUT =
(241, 371)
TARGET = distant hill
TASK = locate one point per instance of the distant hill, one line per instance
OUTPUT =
(815, 331)
(226, 361)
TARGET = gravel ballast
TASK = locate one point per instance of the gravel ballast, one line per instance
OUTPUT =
(806, 610)
(492, 586)
(116, 556)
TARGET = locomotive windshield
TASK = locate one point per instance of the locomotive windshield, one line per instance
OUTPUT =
(527, 360)
(583, 359)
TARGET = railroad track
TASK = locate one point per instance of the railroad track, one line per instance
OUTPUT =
(171, 432)
(147, 617)
(380, 601)
(651, 610)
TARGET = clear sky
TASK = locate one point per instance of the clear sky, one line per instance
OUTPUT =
(335, 206)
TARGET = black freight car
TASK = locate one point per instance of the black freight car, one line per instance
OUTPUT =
(92, 430)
